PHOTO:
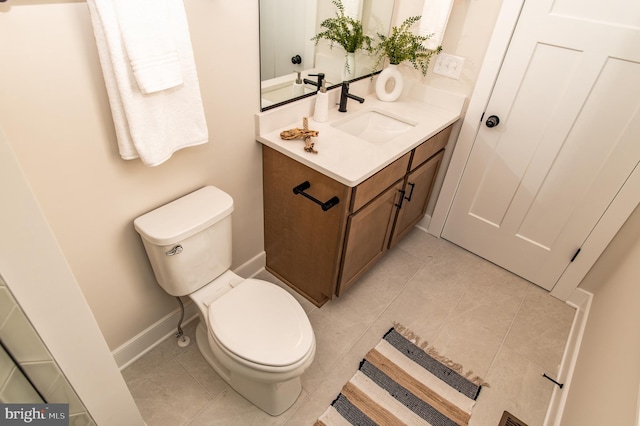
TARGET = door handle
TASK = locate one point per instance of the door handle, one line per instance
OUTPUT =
(492, 121)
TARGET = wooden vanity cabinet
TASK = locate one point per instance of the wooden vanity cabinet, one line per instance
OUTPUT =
(417, 192)
(371, 221)
(321, 253)
(378, 226)
(418, 184)
(368, 233)
(303, 243)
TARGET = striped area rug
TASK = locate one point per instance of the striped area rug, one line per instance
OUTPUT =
(399, 383)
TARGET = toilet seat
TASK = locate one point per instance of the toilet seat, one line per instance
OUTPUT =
(261, 323)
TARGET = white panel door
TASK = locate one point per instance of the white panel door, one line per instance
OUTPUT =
(568, 101)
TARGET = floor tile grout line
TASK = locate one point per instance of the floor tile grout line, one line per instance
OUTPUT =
(382, 311)
(506, 335)
(307, 407)
(542, 368)
(393, 299)
(306, 398)
(425, 262)
(530, 286)
(364, 333)
(449, 314)
(195, 416)
(213, 397)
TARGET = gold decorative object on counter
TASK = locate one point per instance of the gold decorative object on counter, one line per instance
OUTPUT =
(303, 133)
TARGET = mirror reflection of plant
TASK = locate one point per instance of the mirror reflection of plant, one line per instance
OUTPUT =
(344, 31)
(402, 45)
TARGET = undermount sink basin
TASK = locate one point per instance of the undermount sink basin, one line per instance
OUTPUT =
(373, 126)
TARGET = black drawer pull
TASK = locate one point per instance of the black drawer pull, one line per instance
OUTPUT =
(306, 185)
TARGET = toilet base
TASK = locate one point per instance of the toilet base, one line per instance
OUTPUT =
(274, 398)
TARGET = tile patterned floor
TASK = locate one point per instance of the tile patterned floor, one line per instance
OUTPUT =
(505, 329)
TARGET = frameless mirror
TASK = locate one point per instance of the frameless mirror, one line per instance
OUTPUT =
(287, 51)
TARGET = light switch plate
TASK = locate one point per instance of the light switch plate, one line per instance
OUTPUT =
(449, 65)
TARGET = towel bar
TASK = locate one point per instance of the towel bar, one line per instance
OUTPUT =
(306, 185)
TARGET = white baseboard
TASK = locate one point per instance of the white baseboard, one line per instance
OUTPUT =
(581, 300)
(146, 340)
(252, 266)
(424, 223)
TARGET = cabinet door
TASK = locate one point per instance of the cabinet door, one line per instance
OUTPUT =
(368, 231)
(417, 190)
(303, 243)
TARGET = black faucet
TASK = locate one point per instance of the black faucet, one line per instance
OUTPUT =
(344, 95)
(318, 84)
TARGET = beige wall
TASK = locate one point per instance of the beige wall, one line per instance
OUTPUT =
(604, 389)
(54, 305)
(55, 114)
(467, 35)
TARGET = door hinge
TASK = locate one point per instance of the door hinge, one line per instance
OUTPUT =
(575, 255)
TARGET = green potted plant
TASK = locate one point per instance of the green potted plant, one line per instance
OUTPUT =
(400, 46)
(346, 32)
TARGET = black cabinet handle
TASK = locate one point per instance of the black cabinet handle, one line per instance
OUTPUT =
(402, 197)
(412, 185)
(306, 185)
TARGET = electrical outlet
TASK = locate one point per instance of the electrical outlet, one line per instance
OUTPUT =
(449, 65)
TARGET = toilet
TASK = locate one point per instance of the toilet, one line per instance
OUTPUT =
(253, 333)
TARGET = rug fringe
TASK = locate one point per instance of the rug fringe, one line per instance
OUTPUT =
(431, 351)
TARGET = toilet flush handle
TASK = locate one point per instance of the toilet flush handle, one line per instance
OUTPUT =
(175, 250)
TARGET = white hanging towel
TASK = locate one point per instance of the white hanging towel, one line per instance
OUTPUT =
(150, 74)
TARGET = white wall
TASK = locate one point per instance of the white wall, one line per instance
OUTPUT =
(604, 388)
(55, 114)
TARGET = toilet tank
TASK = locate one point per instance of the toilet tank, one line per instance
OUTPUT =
(188, 241)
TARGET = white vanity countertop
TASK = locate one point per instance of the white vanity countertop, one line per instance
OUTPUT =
(349, 159)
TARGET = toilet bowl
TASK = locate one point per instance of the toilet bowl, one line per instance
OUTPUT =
(253, 333)
(257, 337)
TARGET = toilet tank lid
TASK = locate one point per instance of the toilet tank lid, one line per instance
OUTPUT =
(185, 216)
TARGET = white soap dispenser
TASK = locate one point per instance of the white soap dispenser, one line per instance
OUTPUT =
(298, 86)
(321, 111)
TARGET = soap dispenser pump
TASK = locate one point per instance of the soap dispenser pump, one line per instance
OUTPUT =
(298, 86)
(321, 111)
